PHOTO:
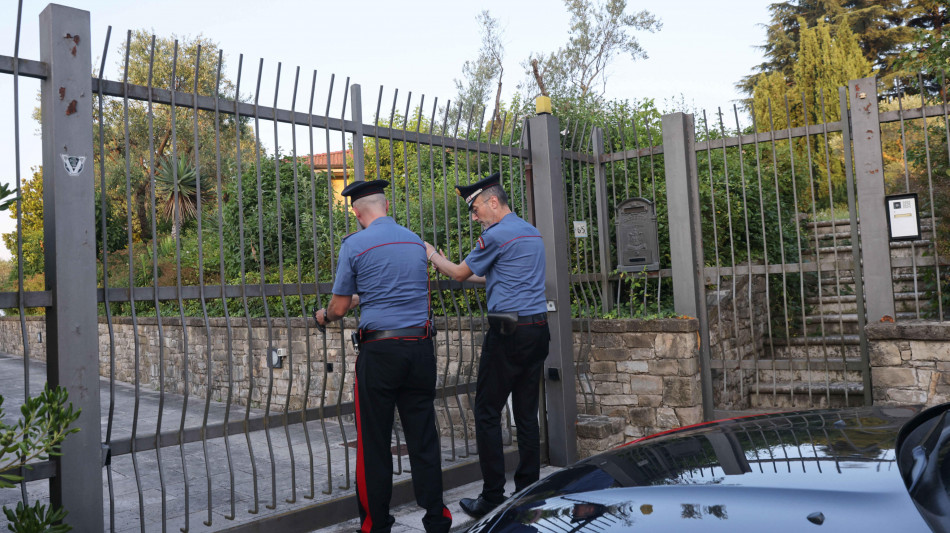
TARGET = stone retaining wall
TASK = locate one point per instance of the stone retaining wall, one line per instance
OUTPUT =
(910, 362)
(644, 375)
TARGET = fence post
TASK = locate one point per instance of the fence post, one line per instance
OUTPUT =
(550, 217)
(69, 237)
(686, 244)
(603, 220)
(356, 115)
(869, 178)
(857, 271)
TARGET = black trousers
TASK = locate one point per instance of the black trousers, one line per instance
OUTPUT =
(510, 365)
(397, 374)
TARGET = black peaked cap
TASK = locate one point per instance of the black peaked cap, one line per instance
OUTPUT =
(471, 192)
(359, 189)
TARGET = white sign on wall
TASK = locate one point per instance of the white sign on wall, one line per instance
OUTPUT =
(903, 220)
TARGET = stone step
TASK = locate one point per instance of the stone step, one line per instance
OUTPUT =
(827, 340)
(819, 225)
(851, 298)
(808, 252)
(836, 323)
(800, 395)
(840, 233)
(833, 351)
(850, 363)
(816, 372)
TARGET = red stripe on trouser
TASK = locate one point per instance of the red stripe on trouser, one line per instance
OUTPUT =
(367, 524)
(446, 513)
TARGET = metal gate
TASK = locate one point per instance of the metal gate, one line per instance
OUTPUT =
(201, 227)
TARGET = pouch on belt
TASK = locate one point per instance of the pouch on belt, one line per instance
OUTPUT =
(504, 323)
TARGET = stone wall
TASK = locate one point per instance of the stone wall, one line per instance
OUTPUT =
(737, 332)
(910, 362)
(636, 377)
(250, 375)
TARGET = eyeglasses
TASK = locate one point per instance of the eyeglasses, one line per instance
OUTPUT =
(474, 209)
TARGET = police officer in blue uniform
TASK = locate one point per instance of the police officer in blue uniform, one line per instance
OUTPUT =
(384, 269)
(509, 257)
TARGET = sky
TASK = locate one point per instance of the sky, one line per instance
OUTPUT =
(702, 50)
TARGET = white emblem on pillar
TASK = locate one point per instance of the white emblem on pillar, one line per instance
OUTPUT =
(73, 164)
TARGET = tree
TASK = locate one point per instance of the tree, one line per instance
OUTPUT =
(5, 196)
(827, 57)
(31, 206)
(35, 437)
(177, 187)
(598, 34)
(195, 59)
(478, 75)
(882, 29)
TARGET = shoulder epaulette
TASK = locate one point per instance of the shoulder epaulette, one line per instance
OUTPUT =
(348, 235)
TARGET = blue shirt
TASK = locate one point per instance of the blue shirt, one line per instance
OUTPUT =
(510, 254)
(386, 265)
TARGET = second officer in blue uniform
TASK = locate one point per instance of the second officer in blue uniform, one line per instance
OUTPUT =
(385, 267)
(509, 255)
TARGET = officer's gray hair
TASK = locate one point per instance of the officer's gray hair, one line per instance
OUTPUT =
(376, 202)
(497, 192)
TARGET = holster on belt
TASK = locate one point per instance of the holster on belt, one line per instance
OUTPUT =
(504, 323)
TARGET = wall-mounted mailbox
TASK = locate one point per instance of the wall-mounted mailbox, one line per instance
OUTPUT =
(637, 245)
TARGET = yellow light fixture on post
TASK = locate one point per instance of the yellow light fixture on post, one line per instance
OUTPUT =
(542, 105)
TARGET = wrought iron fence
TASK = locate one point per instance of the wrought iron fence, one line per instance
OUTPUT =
(216, 236)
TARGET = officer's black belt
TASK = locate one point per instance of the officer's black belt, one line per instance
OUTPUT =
(531, 319)
(370, 335)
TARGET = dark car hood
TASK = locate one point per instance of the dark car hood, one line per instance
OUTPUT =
(833, 469)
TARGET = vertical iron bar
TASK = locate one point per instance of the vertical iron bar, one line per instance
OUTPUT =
(603, 219)
(339, 397)
(316, 281)
(732, 255)
(176, 225)
(821, 314)
(155, 300)
(105, 278)
(458, 318)
(300, 297)
(261, 262)
(834, 235)
(209, 364)
(798, 246)
(748, 256)
(781, 238)
(765, 255)
(715, 226)
(913, 251)
(131, 254)
(280, 270)
(247, 313)
(229, 340)
(468, 311)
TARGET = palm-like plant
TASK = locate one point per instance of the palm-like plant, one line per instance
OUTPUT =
(179, 175)
(5, 196)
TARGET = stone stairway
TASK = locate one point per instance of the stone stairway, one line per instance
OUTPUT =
(820, 364)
